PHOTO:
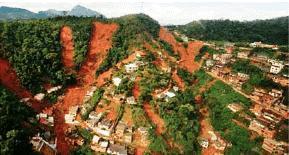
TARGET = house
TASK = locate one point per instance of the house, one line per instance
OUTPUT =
(276, 93)
(25, 99)
(70, 117)
(53, 89)
(243, 54)
(120, 128)
(220, 144)
(275, 147)
(116, 81)
(175, 88)
(91, 123)
(103, 128)
(117, 149)
(276, 69)
(127, 138)
(271, 116)
(209, 63)
(94, 116)
(281, 80)
(139, 54)
(101, 146)
(255, 44)
(204, 143)
(95, 139)
(261, 57)
(43, 146)
(262, 128)
(105, 124)
(243, 76)
(225, 58)
(235, 107)
(39, 96)
(276, 66)
(73, 110)
(130, 100)
(132, 67)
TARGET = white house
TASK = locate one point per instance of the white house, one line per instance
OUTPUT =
(116, 81)
(39, 96)
(53, 89)
(276, 66)
(276, 69)
(132, 67)
(130, 100)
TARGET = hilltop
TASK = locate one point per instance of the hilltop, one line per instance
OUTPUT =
(272, 31)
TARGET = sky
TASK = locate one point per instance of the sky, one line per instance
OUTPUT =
(168, 11)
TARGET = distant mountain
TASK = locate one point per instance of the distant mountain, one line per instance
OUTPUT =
(52, 13)
(10, 13)
(16, 13)
(81, 11)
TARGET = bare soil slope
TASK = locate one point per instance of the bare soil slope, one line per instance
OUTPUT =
(99, 45)
(67, 46)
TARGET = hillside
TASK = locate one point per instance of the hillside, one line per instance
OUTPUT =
(92, 85)
(272, 31)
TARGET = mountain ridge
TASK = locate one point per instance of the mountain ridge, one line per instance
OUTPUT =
(12, 13)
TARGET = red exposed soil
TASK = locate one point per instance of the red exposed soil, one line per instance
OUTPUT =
(67, 46)
(136, 89)
(99, 45)
(187, 55)
(139, 151)
(204, 133)
(9, 79)
(178, 80)
(155, 118)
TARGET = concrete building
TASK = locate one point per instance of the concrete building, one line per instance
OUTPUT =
(117, 149)
(275, 147)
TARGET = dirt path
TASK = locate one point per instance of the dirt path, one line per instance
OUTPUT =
(9, 79)
(99, 45)
(155, 118)
(66, 38)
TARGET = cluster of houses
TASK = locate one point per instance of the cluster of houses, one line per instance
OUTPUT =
(215, 140)
(45, 119)
(45, 144)
(269, 108)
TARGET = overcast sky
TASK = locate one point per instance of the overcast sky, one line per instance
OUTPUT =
(168, 11)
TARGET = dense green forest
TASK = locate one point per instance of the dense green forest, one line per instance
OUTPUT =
(37, 43)
(274, 31)
(33, 48)
(14, 139)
